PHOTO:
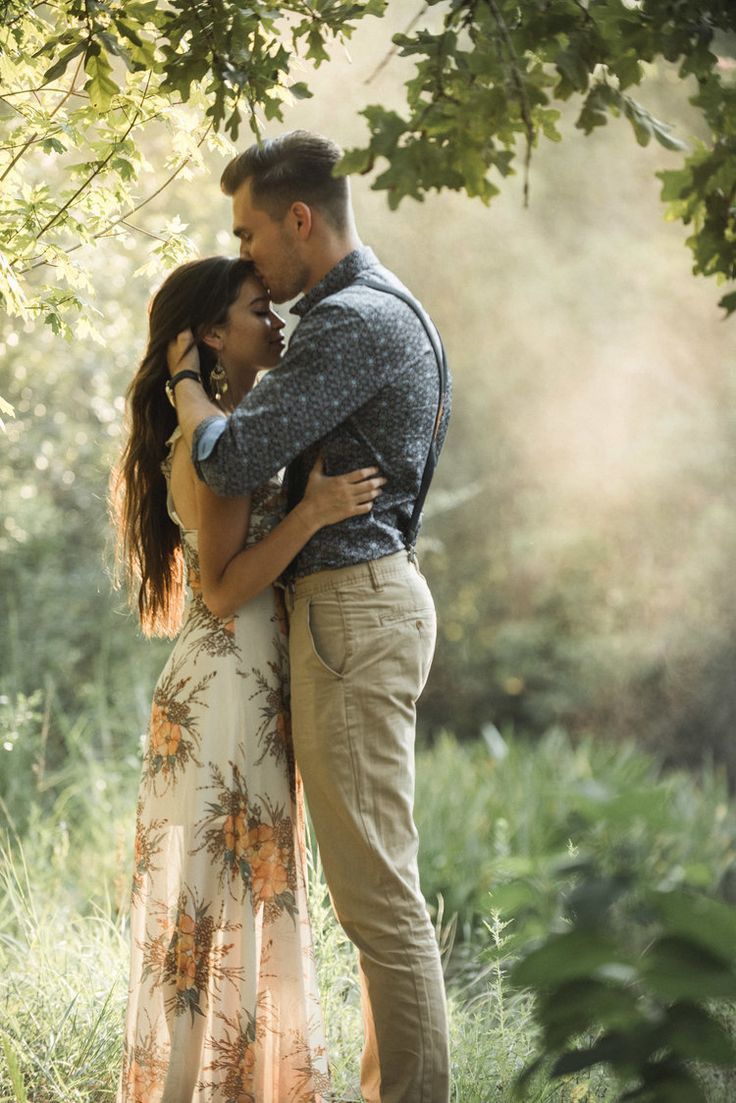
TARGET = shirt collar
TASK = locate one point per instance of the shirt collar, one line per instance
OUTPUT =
(339, 277)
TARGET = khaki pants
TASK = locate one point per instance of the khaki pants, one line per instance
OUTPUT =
(362, 640)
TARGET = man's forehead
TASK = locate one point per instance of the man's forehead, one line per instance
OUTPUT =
(249, 212)
(243, 203)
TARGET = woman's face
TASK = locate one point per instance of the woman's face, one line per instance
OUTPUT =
(251, 337)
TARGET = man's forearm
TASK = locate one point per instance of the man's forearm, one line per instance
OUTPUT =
(192, 408)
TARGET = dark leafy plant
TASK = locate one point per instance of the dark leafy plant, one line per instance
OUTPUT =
(633, 982)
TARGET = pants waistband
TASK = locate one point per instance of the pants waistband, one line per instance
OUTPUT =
(373, 572)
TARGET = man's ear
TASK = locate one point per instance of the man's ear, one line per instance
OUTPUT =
(301, 216)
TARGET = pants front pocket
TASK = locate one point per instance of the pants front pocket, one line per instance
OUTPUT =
(327, 635)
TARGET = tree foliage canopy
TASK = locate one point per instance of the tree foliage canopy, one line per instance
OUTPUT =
(81, 79)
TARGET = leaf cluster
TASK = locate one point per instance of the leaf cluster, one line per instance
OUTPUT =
(633, 982)
(82, 80)
(495, 73)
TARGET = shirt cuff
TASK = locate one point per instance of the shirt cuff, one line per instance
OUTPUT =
(204, 441)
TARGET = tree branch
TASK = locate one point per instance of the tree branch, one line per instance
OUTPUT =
(34, 136)
(394, 49)
(100, 166)
(42, 88)
(520, 89)
(123, 219)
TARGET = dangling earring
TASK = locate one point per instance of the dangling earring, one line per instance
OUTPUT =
(218, 379)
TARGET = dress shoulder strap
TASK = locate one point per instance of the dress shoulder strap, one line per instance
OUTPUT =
(166, 471)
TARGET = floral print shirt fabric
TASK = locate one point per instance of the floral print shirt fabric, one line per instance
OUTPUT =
(223, 1004)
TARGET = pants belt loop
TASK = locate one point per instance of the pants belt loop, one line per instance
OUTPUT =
(375, 580)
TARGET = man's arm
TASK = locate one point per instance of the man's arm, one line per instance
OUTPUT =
(330, 370)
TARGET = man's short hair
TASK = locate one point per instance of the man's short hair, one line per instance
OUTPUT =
(295, 167)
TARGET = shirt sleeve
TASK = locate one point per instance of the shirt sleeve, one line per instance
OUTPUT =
(206, 436)
(330, 370)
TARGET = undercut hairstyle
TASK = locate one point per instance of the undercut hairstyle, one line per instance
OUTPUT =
(149, 554)
(295, 167)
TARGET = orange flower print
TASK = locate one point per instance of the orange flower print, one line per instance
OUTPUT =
(261, 841)
(270, 879)
(186, 964)
(269, 876)
(143, 1084)
(252, 842)
(147, 847)
(246, 1073)
(174, 734)
(234, 1044)
(236, 834)
(165, 735)
(188, 954)
(144, 1069)
(229, 626)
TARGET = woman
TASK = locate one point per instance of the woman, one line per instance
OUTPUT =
(223, 1003)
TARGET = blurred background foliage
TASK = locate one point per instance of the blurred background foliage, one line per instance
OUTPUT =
(579, 540)
(580, 535)
(484, 87)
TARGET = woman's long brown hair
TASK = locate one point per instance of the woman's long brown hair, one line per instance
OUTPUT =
(196, 296)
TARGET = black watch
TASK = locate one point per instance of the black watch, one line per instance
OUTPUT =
(187, 373)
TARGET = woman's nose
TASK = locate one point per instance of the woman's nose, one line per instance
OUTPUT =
(277, 322)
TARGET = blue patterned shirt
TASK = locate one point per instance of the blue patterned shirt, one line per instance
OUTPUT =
(359, 383)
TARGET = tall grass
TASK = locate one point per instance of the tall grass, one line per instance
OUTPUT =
(497, 818)
(64, 980)
(494, 821)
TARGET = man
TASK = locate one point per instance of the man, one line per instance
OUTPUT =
(359, 384)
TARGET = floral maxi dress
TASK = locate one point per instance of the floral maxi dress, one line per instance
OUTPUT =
(223, 1004)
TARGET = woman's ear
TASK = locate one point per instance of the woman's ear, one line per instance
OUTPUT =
(213, 338)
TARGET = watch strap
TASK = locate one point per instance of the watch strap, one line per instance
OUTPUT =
(185, 373)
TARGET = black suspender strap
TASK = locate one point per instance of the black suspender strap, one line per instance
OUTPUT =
(410, 536)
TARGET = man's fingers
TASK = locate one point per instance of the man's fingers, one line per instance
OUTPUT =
(369, 483)
(369, 496)
(362, 474)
